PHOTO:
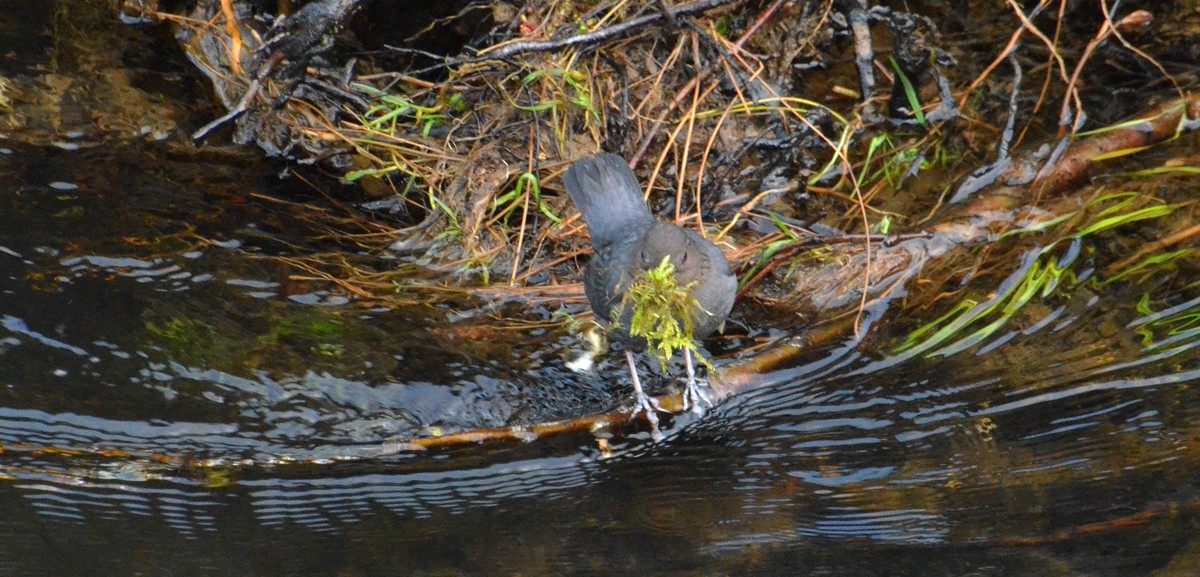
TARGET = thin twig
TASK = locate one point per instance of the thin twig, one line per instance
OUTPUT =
(700, 76)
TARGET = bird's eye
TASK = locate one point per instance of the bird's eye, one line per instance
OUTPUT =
(645, 258)
(683, 259)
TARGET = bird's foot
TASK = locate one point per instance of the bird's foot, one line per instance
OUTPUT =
(697, 397)
(650, 407)
(644, 403)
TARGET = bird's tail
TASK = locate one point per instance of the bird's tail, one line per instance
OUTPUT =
(608, 196)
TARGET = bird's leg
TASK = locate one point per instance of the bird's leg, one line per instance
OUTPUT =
(693, 395)
(644, 402)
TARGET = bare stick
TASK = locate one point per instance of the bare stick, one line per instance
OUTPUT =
(597, 36)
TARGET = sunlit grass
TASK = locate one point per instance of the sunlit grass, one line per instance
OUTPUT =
(1044, 272)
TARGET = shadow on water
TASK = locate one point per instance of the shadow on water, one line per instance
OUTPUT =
(140, 325)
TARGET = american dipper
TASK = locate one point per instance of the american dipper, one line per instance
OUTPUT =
(628, 241)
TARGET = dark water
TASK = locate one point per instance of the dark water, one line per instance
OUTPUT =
(142, 328)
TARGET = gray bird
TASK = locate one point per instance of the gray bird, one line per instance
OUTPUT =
(628, 240)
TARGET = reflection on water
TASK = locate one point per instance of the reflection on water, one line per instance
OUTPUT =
(139, 331)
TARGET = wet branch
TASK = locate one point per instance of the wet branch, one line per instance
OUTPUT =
(597, 36)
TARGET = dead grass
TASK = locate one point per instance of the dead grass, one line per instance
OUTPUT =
(710, 109)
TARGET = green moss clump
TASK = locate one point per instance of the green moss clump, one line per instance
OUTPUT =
(664, 313)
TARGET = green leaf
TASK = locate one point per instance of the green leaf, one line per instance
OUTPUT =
(910, 93)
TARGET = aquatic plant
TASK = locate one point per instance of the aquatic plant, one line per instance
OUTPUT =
(1043, 271)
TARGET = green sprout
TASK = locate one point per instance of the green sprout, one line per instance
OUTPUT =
(526, 182)
(910, 93)
(664, 313)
